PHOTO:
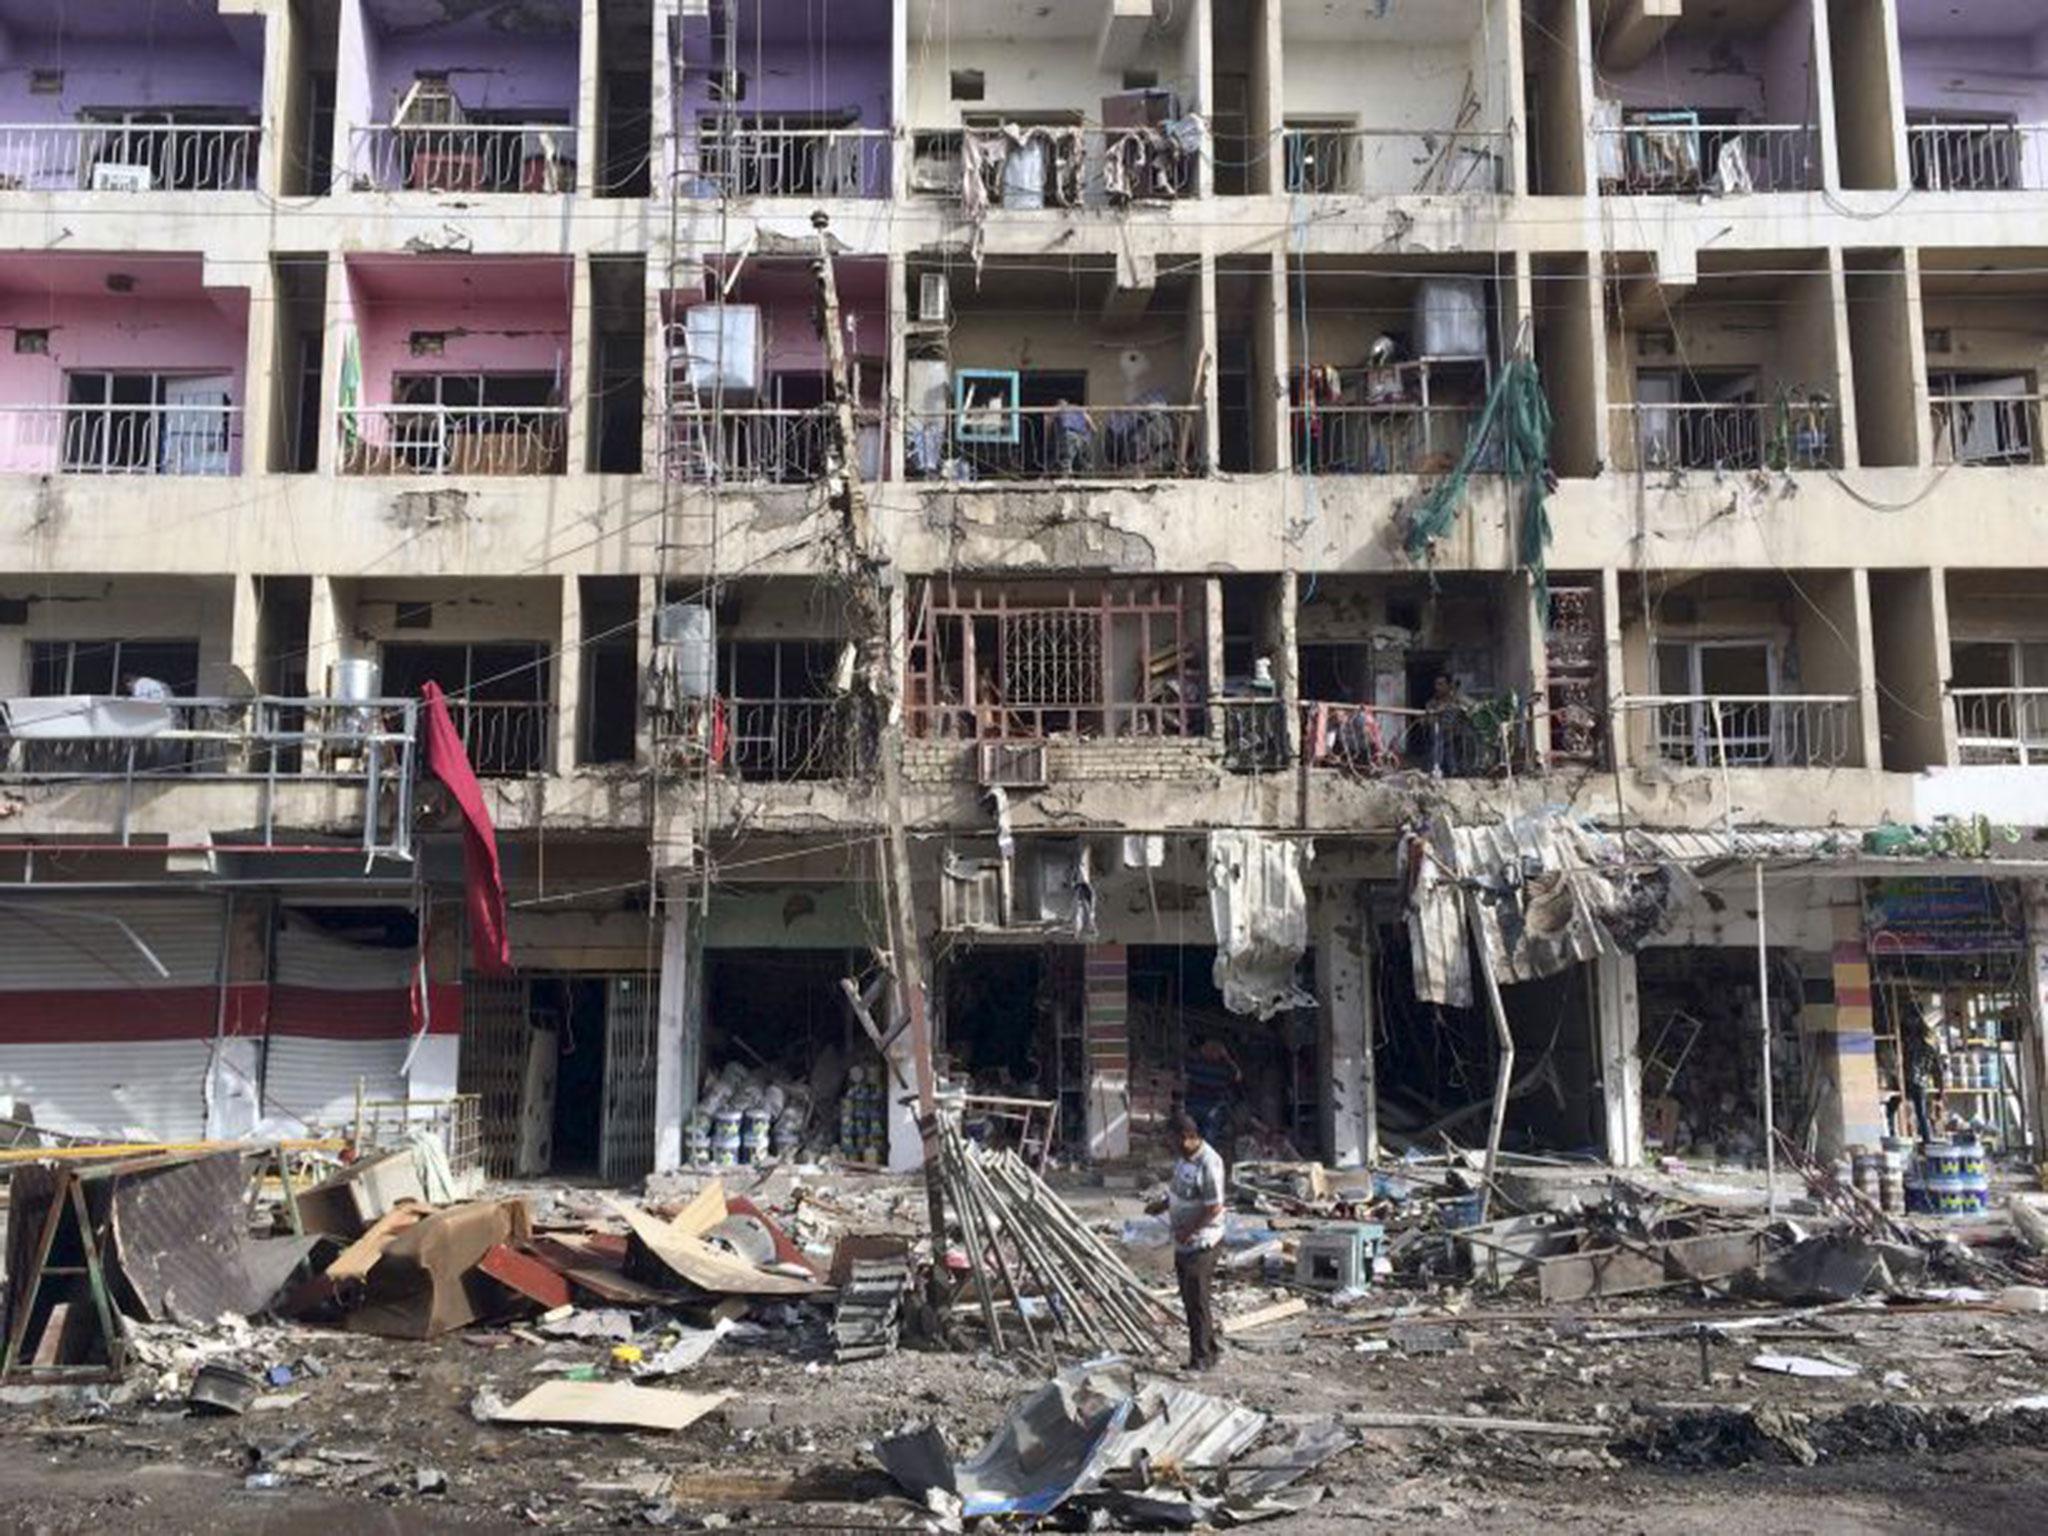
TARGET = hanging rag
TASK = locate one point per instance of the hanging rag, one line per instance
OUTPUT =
(483, 881)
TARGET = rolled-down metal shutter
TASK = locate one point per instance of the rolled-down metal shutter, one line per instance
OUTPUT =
(93, 1039)
(340, 1014)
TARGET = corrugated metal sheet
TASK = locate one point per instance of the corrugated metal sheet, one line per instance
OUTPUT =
(306, 957)
(64, 943)
(314, 1081)
(149, 1090)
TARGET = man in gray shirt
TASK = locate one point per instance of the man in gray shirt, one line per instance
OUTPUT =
(1194, 1211)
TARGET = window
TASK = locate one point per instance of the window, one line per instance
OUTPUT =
(2000, 715)
(1741, 672)
(498, 694)
(488, 423)
(1319, 154)
(968, 84)
(1964, 152)
(148, 423)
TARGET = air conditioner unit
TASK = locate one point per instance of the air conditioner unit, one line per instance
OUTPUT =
(113, 176)
(1012, 765)
(934, 299)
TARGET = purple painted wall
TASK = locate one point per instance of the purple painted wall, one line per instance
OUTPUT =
(224, 69)
(803, 59)
(1767, 76)
(1977, 76)
(200, 334)
(490, 71)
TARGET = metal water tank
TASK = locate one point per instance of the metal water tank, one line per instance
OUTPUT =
(687, 628)
(354, 680)
(1024, 176)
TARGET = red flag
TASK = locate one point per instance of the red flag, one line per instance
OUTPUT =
(483, 882)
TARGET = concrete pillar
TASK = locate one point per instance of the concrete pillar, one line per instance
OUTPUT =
(906, 1142)
(279, 78)
(899, 120)
(1203, 353)
(568, 670)
(235, 1070)
(1212, 638)
(1849, 1110)
(1621, 1067)
(1106, 1047)
(582, 365)
(679, 1019)
(589, 126)
(262, 375)
(643, 658)
(1833, 291)
(2033, 1051)
(245, 609)
(661, 102)
(1347, 1096)
(893, 381)
(327, 632)
(1264, 100)
(1274, 349)
(1824, 98)
(1287, 658)
(1507, 86)
(436, 1056)
(1616, 666)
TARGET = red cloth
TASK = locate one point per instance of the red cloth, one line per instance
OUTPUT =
(483, 882)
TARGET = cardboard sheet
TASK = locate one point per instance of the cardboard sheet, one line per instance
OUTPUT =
(427, 1281)
(610, 1405)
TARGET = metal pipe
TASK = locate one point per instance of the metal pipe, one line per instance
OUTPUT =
(1763, 1011)
(1505, 1073)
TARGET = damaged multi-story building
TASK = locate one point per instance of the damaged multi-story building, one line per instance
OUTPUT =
(1340, 479)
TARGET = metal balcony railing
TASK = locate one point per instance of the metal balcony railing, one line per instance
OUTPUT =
(145, 746)
(1744, 435)
(106, 157)
(454, 440)
(1978, 157)
(1126, 442)
(1737, 731)
(1391, 161)
(1679, 158)
(785, 162)
(1473, 739)
(763, 447)
(776, 741)
(120, 439)
(1986, 429)
(1393, 439)
(464, 157)
(1254, 734)
(506, 738)
(2001, 725)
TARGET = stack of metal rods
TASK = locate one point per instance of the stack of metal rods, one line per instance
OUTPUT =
(1019, 1235)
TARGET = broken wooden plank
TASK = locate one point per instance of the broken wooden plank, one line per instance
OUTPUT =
(1278, 1312)
(1476, 1425)
(535, 1279)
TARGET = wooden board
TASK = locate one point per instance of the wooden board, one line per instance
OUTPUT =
(1279, 1312)
(704, 1266)
(610, 1405)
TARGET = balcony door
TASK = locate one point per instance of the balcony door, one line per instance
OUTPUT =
(497, 693)
(1999, 716)
(1704, 678)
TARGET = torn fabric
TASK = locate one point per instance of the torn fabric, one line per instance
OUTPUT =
(483, 881)
(1260, 911)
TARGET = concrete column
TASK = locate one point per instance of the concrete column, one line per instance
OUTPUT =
(1834, 293)
(279, 54)
(582, 365)
(897, 365)
(1616, 667)
(1504, 25)
(1347, 1094)
(261, 375)
(899, 120)
(1849, 1110)
(337, 324)
(1275, 348)
(232, 1108)
(906, 1142)
(1264, 88)
(589, 127)
(1916, 345)
(1106, 1046)
(1200, 40)
(643, 658)
(1205, 346)
(435, 1067)
(1212, 639)
(1287, 658)
(661, 103)
(568, 670)
(327, 632)
(245, 608)
(679, 1020)
(1870, 738)
(1621, 1066)
(1824, 98)
(2033, 1051)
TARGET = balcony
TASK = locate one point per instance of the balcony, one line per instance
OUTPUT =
(469, 157)
(772, 741)
(987, 441)
(1464, 739)
(454, 440)
(463, 106)
(453, 366)
(1721, 731)
(1699, 101)
(1985, 426)
(752, 446)
(1394, 438)
(1378, 101)
(1030, 168)
(806, 113)
(1962, 133)
(120, 366)
(85, 113)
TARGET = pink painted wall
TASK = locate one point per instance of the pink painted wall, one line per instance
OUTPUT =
(483, 336)
(124, 333)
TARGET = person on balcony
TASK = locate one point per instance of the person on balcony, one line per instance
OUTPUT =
(1072, 431)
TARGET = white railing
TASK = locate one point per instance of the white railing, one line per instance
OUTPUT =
(2001, 725)
(1986, 429)
(771, 740)
(464, 157)
(1058, 443)
(454, 440)
(785, 162)
(120, 439)
(763, 447)
(1743, 731)
(1081, 167)
(1747, 435)
(71, 157)
(1978, 157)
(1393, 439)
(1393, 160)
(505, 738)
(1679, 158)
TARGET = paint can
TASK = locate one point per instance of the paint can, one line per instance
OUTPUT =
(1867, 1170)
(697, 1141)
(754, 1126)
(1973, 1178)
(725, 1138)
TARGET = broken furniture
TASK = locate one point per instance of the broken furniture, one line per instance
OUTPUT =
(1338, 1257)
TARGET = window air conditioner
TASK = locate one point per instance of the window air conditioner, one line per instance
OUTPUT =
(1012, 765)
(934, 299)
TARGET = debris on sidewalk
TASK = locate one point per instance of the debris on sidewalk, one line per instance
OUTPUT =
(608, 1405)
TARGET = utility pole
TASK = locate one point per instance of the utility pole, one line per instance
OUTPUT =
(848, 499)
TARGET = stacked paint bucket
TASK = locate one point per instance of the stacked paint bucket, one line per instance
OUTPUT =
(1881, 1176)
(863, 1121)
(1954, 1179)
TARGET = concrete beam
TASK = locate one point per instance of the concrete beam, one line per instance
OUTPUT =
(1634, 29)
(1122, 36)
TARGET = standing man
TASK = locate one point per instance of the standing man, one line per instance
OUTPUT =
(1194, 1212)
(1927, 1072)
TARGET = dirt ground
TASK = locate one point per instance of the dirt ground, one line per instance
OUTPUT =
(385, 1440)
